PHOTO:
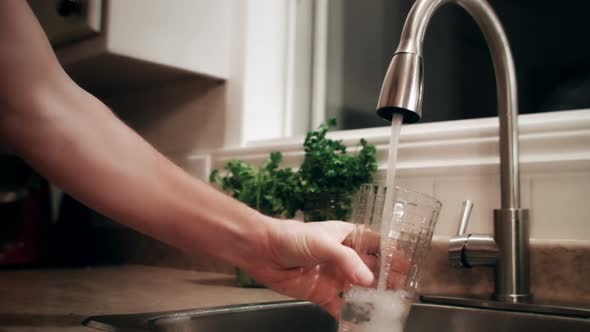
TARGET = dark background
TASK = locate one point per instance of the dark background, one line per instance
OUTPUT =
(549, 40)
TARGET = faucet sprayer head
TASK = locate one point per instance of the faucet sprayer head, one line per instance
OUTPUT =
(402, 88)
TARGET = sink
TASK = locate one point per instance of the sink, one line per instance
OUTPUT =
(300, 316)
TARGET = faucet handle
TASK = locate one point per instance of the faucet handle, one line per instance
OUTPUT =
(467, 207)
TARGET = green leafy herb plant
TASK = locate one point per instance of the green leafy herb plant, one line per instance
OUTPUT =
(329, 175)
(267, 189)
(321, 187)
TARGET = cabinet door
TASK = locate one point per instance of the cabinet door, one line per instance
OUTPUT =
(68, 21)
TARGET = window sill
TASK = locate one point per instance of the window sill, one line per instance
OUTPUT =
(548, 142)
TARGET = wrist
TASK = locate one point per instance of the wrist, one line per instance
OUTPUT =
(251, 240)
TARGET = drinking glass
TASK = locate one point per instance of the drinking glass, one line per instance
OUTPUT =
(395, 249)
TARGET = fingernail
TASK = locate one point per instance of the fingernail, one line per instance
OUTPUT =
(364, 276)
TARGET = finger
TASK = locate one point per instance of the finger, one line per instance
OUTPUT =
(339, 230)
(344, 257)
(371, 261)
(398, 270)
(370, 241)
(396, 280)
(347, 287)
(400, 262)
(333, 307)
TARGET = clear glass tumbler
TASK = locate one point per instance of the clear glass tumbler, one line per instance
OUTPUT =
(405, 239)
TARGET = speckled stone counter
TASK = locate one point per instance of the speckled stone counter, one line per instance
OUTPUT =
(560, 272)
(59, 299)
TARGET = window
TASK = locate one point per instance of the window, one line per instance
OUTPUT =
(355, 40)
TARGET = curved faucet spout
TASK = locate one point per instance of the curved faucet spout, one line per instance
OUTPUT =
(402, 88)
(402, 92)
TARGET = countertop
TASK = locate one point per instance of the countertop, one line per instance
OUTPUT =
(59, 299)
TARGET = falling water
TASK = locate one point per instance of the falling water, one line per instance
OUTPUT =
(387, 217)
(377, 310)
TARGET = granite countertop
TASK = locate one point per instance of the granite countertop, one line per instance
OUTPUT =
(59, 299)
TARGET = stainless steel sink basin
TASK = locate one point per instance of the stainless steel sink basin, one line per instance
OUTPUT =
(299, 316)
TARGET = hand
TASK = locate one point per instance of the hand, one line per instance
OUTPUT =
(309, 261)
(368, 247)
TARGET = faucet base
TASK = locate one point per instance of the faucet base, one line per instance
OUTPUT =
(513, 298)
(511, 234)
(572, 310)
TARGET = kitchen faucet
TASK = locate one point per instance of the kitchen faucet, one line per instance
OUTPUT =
(508, 249)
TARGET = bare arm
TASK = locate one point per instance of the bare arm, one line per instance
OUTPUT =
(74, 140)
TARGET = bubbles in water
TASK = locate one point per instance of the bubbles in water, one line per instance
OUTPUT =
(371, 310)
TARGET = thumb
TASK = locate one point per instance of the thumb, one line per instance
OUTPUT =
(347, 260)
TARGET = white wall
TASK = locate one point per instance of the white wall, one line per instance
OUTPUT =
(197, 114)
(270, 75)
(186, 34)
(557, 202)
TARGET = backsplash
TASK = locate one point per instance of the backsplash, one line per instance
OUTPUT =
(559, 232)
(557, 202)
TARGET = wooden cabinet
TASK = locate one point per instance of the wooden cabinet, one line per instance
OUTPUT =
(109, 46)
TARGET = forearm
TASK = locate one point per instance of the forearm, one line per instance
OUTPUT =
(75, 141)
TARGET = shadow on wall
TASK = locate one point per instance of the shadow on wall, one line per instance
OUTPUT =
(180, 116)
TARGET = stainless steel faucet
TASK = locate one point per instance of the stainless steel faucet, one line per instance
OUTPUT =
(508, 249)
